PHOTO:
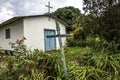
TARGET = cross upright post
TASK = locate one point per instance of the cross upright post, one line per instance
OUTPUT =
(59, 35)
(49, 7)
(61, 50)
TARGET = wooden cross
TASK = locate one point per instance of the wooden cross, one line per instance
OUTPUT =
(49, 7)
(59, 35)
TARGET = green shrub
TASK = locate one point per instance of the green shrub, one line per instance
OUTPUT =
(71, 42)
(96, 43)
(19, 47)
(37, 65)
(2, 52)
(87, 73)
(107, 62)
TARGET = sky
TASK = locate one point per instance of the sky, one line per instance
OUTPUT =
(12, 8)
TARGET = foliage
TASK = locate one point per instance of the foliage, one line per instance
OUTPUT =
(71, 42)
(104, 61)
(79, 33)
(110, 26)
(86, 73)
(19, 46)
(94, 42)
(106, 18)
(68, 15)
(35, 66)
(82, 64)
(2, 52)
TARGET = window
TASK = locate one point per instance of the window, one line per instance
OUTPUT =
(7, 33)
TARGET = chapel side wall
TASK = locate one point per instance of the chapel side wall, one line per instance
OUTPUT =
(16, 32)
(34, 31)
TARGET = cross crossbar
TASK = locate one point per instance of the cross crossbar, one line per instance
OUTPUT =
(48, 6)
(61, 35)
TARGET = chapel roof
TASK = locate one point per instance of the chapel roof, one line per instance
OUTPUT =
(22, 17)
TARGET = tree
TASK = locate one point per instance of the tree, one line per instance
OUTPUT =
(68, 15)
(110, 23)
(106, 17)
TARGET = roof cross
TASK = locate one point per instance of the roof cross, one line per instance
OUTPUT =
(49, 7)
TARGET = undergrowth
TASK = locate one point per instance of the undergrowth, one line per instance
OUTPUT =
(82, 64)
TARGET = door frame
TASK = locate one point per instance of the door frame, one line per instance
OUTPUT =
(44, 37)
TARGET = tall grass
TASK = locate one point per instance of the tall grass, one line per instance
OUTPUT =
(82, 64)
(37, 65)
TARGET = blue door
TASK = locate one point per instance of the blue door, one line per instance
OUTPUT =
(50, 43)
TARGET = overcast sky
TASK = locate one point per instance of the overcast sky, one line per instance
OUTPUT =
(11, 8)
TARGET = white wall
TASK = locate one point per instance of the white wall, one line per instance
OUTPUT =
(16, 30)
(34, 31)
